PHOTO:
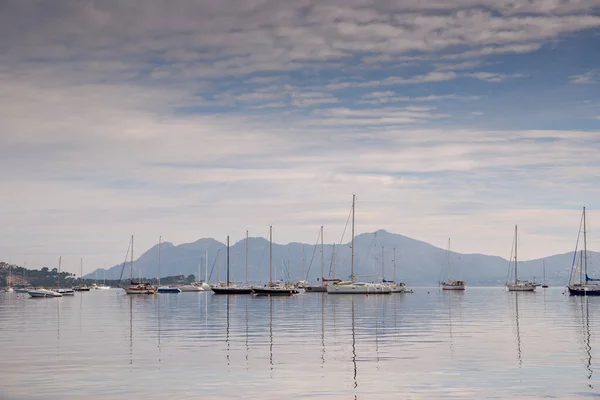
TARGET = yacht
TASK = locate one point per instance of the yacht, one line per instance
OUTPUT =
(43, 293)
(273, 288)
(137, 287)
(519, 285)
(580, 283)
(229, 287)
(353, 287)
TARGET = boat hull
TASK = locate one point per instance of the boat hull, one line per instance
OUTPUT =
(584, 291)
(320, 289)
(66, 292)
(191, 288)
(453, 287)
(81, 289)
(169, 290)
(137, 290)
(39, 293)
(231, 290)
(520, 288)
(267, 291)
(359, 288)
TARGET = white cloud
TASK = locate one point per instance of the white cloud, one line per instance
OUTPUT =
(492, 76)
(588, 78)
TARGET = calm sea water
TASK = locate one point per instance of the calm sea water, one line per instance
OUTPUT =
(484, 343)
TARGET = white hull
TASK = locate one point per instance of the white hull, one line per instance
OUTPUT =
(135, 290)
(9, 289)
(66, 292)
(44, 293)
(191, 288)
(358, 288)
(398, 289)
(453, 287)
(22, 290)
(523, 287)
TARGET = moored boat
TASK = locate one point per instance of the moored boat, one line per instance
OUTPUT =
(451, 284)
(273, 288)
(168, 289)
(43, 293)
(353, 287)
(582, 285)
(229, 287)
(137, 287)
(519, 285)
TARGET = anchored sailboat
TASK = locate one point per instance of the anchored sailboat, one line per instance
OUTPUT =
(451, 284)
(273, 288)
(518, 285)
(137, 287)
(351, 286)
(230, 287)
(584, 286)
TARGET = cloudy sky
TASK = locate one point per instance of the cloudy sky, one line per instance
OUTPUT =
(192, 119)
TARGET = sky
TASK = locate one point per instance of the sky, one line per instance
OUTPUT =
(191, 119)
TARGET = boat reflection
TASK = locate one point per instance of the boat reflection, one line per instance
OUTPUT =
(518, 330)
(582, 303)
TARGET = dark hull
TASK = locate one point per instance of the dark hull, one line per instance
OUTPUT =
(274, 291)
(316, 289)
(169, 290)
(583, 292)
(231, 290)
(81, 290)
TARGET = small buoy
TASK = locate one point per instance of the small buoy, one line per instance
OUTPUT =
(427, 292)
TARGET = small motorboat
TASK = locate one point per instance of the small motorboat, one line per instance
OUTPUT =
(65, 292)
(43, 293)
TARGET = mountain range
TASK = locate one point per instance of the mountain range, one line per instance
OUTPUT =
(417, 262)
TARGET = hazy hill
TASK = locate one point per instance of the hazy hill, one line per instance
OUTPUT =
(417, 262)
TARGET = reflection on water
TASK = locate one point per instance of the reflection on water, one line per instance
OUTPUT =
(437, 345)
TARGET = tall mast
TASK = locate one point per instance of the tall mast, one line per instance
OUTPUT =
(516, 259)
(584, 246)
(218, 266)
(448, 259)
(394, 265)
(270, 254)
(352, 259)
(322, 255)
(159, 241)
(382, 265)
(246, 258)
(81, 267)
(227, 260)
(206, 265)
(131, 260)
(333, 256)
(303, 264)
(58, 276)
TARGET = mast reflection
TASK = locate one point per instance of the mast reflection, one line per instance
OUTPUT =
(519, 355)
(354, 347)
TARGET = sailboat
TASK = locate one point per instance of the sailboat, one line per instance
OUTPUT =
(451, 284)
(273, 288)
(324, 281)
(137, 287)
(519, 285)
(83, 287)
(63, 291)
(545, 284)
(230, 287)
(584, 286)
(352, 286)
(395, 286)
(164, 289)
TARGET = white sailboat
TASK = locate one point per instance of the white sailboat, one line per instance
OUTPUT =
(43, 293)
(352, 286)
(518, 285)
(395, 286)
(451, 284)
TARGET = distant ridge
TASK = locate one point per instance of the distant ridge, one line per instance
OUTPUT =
(418, 262)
